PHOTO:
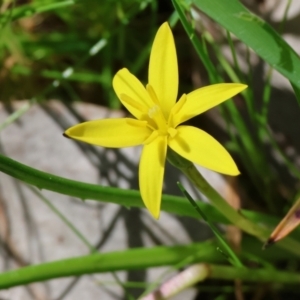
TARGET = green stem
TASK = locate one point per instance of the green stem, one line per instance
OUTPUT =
(91, 248)
(222, 205)
(133, 259)
(127, 198)
(232, 257)
(253, 275)
(257, 161)
(233, 216)
(132, 198)
(200, 272)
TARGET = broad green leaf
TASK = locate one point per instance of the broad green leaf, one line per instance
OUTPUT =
(255, 33)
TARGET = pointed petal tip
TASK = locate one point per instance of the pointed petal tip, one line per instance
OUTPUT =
(243, 86)
(155, 214)
(236, 173)
(165, 25)
(230, 170)
(65, 135)
(118, 73)
(239, 86)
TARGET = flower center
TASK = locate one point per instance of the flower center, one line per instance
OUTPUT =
(157, 119)
(158, 124)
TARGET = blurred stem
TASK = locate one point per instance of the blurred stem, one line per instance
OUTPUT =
(282, 24)
(200, 272)
(255, 157)
(248, 97)
(212, 74)
(263, 117)
(132, 259)
(294, 170)
(254, 275)
(233, 216)
(141, 258)
(233, 53)
(232, 257)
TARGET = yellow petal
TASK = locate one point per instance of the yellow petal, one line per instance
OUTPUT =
(163, 69)
(205, 98)
(201, 148)
(125, 83)
(151, 173)
(114, 133)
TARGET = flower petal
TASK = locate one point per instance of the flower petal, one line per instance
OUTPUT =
(114, 133)
(163, 69)
(151, 173)
(201, 148)
(125, 83)
(205, 98)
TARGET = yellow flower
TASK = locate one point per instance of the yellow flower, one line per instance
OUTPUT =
(158, 118)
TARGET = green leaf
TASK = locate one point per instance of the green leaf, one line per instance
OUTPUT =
(255, 33)
(134, 259)
(127, 198)
(33, 8)
(142, 258)
(232, 257)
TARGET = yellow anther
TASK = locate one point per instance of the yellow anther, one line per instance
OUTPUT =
(136, 123)
(128, 100)
(152, 93)
(152, 137)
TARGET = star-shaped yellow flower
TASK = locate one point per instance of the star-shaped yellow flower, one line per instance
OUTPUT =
(158, 118)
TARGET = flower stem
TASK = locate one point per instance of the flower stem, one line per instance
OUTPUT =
(201, 272)
(233, 216)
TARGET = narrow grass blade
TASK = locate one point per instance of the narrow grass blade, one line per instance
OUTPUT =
(231, 255)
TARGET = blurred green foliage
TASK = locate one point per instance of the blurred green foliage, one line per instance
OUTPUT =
(80, 43)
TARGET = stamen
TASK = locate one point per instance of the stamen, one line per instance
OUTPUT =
(151, 138)
(176, 109)
(157, 118)
(152, 93)
(129, 101)
(137, 123)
